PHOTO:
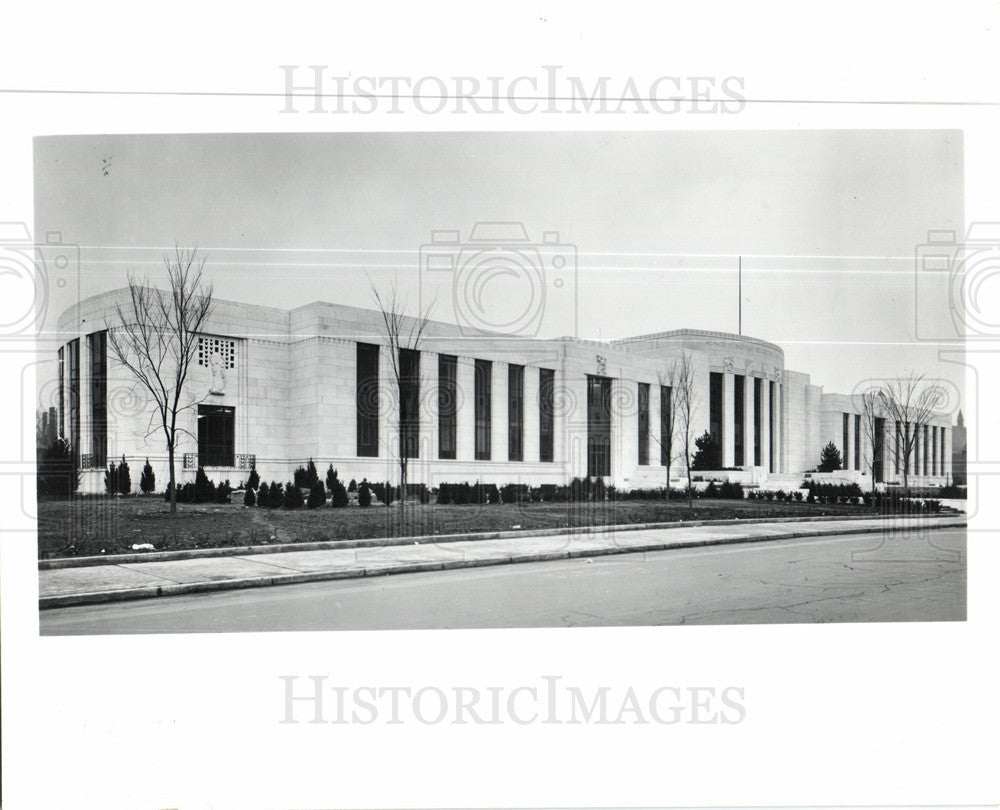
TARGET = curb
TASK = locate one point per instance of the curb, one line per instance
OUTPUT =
(180, 589)
(424, 539)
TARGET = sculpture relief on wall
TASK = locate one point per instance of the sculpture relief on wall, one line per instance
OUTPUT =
(217, 372)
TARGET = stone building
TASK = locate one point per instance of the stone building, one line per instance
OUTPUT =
(274, 388)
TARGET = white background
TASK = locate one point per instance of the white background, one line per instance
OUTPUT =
(849, 714)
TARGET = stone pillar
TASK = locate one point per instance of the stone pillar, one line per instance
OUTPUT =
(465, 410)
(85, 409)
(728, 443)
(530, 421)
(428, 410)
(765, 424)
(500, 407)
(947, 441)
(498, 423)
(780, 465)
(939, 450)
(748, 416)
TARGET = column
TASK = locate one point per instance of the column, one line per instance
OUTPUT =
(530, 426)
(498, 450)
(765, 424)
(897, 443)
(748, 417)
(465, 409)
(85, 410)
(779, 421)
(728, 443)
(947, 448)
(427, 408)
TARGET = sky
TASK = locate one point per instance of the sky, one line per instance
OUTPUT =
(651, 227)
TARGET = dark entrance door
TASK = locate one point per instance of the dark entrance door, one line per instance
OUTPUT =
(598, 426)
(216, 436)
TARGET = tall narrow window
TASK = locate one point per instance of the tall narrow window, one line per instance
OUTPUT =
(927, 449)
(515, 413)
(447, 405)
(409, 403)
(643, 401)
(74, 399)
(546, 413)
(934, 450)
(598, 426)
(897, 453)
(857, 441)
(757, 395)
(97, 342)
(216, 436)
(666, 428)
(738, 405)
(61, 428)
(367, 399)
(715, 408)
(878, 450)
(484, 409)
(846, 431)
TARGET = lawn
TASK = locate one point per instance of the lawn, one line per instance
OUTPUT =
(97, 525)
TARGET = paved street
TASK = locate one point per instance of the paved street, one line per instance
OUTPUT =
(918, 576)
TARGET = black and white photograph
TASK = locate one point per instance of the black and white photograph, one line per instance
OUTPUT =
(645, 378)
(538, 405)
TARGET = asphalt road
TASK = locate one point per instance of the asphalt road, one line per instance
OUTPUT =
(845, 578)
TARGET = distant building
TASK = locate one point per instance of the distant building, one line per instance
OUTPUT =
(959, 453)
(46, 427)
(275, 388)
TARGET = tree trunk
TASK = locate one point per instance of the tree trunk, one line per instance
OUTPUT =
(906, 455)
(173, 479)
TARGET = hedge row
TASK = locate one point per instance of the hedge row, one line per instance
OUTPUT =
(794, 496)
(823, 490)
(201, 491)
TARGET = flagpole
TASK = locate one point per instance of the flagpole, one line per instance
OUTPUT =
(741, 296)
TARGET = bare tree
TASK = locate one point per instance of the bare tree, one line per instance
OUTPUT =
(684, 403)
(403, 334)
(668, 380)
(910, 402)
(155, 337)
(872, 420)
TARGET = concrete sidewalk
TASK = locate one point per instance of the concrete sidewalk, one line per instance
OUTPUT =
(113, 582)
